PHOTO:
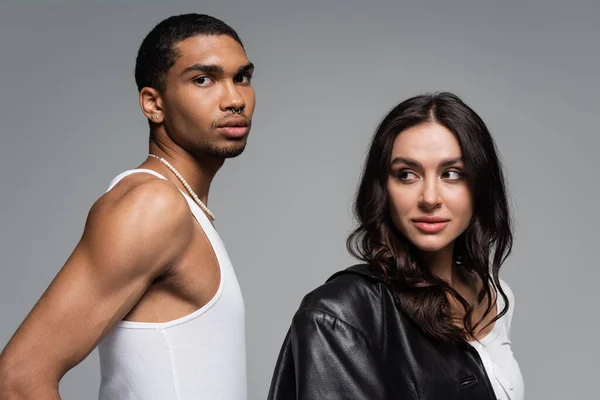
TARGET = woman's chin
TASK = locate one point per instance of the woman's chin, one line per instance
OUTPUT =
(430, 244)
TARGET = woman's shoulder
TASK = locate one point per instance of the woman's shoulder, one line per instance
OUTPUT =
(507, 317)
(508, 292)
(354, 295)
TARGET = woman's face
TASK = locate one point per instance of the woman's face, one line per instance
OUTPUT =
(430, 199)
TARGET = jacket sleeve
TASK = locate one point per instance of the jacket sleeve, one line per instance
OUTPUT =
(333, 360)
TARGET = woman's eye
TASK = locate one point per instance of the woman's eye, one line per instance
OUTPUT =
(453, 175)
(406, 175)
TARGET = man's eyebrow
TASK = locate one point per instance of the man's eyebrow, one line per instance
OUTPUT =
(216, 69)
(203, 68)
(244, 69)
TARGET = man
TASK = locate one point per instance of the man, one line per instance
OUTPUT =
(150, 281)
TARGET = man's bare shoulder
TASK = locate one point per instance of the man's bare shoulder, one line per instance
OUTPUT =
(144, 193)
(142, 220)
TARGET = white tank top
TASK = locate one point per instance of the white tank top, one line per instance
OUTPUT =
(495, 350)
(201, 356)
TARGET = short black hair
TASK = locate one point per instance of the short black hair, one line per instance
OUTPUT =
(157, 53)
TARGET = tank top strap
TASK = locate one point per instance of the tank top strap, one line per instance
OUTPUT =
(122, 175)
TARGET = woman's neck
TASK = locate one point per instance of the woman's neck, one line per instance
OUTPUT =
(441, 265)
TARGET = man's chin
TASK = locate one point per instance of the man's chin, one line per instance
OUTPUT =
(234, 151)
(230, 150)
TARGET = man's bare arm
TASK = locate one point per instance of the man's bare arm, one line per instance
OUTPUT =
(123, 248)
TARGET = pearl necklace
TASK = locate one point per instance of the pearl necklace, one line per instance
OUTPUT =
(187, 186)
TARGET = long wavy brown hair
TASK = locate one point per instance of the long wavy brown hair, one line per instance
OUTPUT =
(481, 249)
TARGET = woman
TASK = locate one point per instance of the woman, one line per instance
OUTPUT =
(426, 316)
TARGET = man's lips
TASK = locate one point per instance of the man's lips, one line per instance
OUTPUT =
(234, 123)
(234, 127)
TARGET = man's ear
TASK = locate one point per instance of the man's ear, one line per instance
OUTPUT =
(151, 104)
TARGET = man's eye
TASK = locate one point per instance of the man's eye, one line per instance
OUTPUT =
(203, 80)
(242, 79)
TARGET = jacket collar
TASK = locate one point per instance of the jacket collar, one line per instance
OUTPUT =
(365, 270)
(374, 274)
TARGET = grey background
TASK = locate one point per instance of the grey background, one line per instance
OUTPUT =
(326, 74)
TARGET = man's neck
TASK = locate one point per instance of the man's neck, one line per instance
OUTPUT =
(197, 171)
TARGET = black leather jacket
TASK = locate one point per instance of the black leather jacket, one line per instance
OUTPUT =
(349, 340)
